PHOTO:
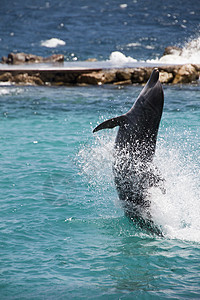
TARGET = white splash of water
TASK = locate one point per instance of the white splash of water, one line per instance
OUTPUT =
(117, 57)
(53, 43)
(190, 53)
(96, 161)
(8, 91)
(5, 83)
(178, 211)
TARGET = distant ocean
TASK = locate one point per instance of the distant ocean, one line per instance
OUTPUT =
(63, 232)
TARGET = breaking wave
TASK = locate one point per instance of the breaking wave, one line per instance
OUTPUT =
(189, 53)
(117, 57)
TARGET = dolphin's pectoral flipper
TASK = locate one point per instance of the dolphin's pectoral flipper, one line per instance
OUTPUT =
(111, 123)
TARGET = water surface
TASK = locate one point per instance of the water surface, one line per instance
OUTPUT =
(63, 232)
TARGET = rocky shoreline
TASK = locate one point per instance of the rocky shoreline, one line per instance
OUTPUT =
(181, 74)
(60, 76)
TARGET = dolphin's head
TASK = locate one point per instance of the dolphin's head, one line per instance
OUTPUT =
(146, 112)
(153, 78)
(151, 97)
(145, 115)
(148, 107)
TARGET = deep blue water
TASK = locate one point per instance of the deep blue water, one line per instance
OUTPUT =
(97, 28)
(63, 233)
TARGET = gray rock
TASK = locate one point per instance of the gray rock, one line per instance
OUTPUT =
(21, 58)
(172, 50)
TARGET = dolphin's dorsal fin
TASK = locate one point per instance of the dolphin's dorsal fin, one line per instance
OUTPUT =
(111, 123)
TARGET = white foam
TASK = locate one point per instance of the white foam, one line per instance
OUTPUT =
(134, 44)
(8, 91)
(4, 92)
(3, 83)
(190, 54)
(123, 5)
(117, 57)
(53, 43)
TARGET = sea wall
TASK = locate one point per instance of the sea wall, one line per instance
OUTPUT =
(171, 74)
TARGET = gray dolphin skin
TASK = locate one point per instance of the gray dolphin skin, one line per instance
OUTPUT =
(135, 144)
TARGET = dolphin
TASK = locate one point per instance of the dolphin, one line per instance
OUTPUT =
(135, 145)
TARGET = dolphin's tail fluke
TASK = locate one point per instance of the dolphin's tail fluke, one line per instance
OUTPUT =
(111, 123)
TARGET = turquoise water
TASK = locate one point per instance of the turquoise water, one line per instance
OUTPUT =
(63, 232)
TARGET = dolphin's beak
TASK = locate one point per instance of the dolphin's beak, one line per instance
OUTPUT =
(153, 78)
